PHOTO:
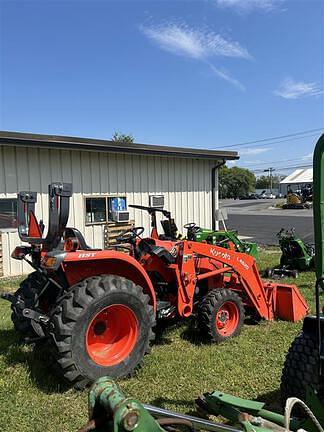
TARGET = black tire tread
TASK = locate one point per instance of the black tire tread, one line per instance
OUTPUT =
(300, 368)
(66, 314)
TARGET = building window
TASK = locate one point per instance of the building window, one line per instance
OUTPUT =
(96, 210)
(100, 209)
(8, 213)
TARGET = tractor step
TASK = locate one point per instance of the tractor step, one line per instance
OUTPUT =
(165, 309)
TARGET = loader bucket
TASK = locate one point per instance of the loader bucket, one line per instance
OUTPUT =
(288, 303)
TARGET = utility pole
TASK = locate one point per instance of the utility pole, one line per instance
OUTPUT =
(270, 171)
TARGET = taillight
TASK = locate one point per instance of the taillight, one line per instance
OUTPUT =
(71, 244)
(20, 252)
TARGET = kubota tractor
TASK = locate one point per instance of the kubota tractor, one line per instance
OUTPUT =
(95, 309)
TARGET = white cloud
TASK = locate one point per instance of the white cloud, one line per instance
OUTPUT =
(225, 76)
(308, 156)
(249, 5)
(291, 89)
(253, 161)
(254, 150)
(199, 44)
(196, 43)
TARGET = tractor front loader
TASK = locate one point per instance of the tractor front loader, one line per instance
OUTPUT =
(95, 309)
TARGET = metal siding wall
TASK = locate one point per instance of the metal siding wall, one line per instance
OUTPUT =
(185, 184)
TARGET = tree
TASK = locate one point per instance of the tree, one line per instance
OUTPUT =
(263, 182)
(235, 181)
(123, 138)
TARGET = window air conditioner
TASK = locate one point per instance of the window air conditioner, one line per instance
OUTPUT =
(120, 216)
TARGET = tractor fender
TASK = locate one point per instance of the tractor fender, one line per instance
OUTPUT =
(310, 325)
(80, 265)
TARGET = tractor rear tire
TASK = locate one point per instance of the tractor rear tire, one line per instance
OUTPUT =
(103, 327)
(300, 368)
(220, 315)
(26, 292)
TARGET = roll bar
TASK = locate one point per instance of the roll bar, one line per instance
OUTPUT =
(30, 230)
(152, 212)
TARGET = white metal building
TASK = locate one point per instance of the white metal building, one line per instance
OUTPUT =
(297, 179)
(99, 171)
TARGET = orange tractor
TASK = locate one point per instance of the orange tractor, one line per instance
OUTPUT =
(96, 309)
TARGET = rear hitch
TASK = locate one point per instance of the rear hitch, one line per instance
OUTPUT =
(35, 316)
(29, 341)
(9, 297)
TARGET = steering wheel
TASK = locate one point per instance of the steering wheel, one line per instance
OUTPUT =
(192, 226)
(130, 235)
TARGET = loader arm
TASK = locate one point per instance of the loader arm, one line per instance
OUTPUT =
(241, 264)
(269, 300)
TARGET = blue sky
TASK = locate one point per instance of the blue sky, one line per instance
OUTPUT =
(207, 73)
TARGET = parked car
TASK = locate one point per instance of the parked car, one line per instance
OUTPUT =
(249, 196)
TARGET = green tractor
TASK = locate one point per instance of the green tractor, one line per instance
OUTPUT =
(296, 255)
(222, 238)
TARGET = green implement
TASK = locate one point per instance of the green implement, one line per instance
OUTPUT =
(295, 253)
(238, 410)
(225, 239)
(111, 411)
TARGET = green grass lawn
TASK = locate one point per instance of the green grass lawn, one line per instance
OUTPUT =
(175, 373)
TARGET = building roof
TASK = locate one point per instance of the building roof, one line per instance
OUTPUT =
(299, 176)
(65, 142)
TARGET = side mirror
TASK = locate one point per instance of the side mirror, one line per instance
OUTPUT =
(28, 227)
(29, 230)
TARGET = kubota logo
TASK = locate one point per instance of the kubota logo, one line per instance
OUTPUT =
(219, 254)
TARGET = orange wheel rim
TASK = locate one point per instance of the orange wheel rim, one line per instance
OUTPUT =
(227, 318)
(112, 335)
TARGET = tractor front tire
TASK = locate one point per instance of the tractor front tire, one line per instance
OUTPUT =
(103, 327)
(220, 315)
(301, 368)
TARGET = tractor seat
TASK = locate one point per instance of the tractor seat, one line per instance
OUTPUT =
(74, 232)
(148, 246)
(170, 229)
(163, 254)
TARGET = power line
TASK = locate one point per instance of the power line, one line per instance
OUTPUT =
(257, 165)
(264, 140)
(273, 143)
(285, 168)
